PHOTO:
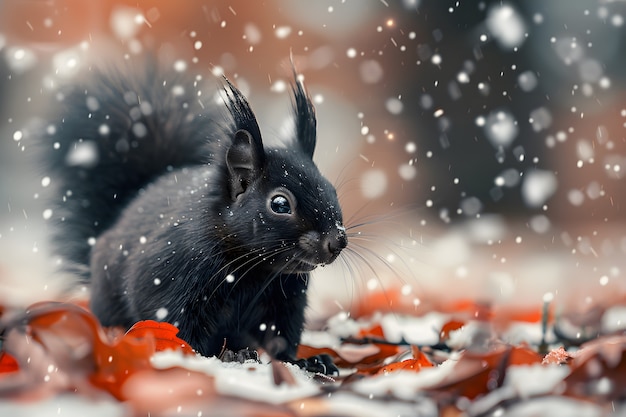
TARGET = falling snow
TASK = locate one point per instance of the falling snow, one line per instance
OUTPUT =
(502, 124)
(538, 186)
(506, 25)
(500, 128)
(84, 154)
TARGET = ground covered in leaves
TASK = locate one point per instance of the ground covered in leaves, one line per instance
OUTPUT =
(467, 359)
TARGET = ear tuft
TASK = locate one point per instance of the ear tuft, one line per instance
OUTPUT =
(306, 122)
(241, 113)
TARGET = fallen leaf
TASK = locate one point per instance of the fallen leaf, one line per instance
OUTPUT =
(447, 328)
(478, 373)
(164, 335)
(8, 363)
(414, 364)
(599, 370)
(346, 356)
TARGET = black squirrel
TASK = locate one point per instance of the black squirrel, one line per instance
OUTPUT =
(173, 209)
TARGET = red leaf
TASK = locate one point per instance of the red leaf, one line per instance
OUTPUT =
(450, 326)
(524, 355)
(163, 333)
(415, 364)
(8, 364)
(374, 331)
(65, 329)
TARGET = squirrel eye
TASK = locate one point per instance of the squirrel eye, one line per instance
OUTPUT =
(280, 204)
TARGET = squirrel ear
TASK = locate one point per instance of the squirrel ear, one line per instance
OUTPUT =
(306, 123)
(243, 161)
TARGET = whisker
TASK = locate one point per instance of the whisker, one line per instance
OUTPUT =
(266, 284)
(250, 263)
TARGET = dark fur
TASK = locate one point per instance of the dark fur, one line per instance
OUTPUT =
(175, 212)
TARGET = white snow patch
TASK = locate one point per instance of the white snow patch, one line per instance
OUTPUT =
(319, 339)
(403, 384)
(451, 249)
(343, 403)
(342, 325)
(250, 380)
(65, 405)
(422, 330)
(555, 406)
(489, 227)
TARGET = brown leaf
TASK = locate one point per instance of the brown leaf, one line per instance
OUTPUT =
(282, 374)
(599, 370)
(477, 373)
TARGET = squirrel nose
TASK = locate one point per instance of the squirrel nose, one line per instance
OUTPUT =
(334, 241)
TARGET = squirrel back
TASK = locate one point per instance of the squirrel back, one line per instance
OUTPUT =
(115, 132)
(173, 209)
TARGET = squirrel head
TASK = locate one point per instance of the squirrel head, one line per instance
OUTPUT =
(282, 213)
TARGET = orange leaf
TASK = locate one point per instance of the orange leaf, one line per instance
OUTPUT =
(523, 355)
(450, 326)
(415, 364)
(62, 328)
(374, 331)
(7, 363)
(163, 333)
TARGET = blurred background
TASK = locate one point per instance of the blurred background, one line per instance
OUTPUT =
(482, 143)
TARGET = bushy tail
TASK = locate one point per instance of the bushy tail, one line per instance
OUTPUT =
(113, 134)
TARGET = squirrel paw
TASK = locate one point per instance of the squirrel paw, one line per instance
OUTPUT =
(319, 364)
(240, 356)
